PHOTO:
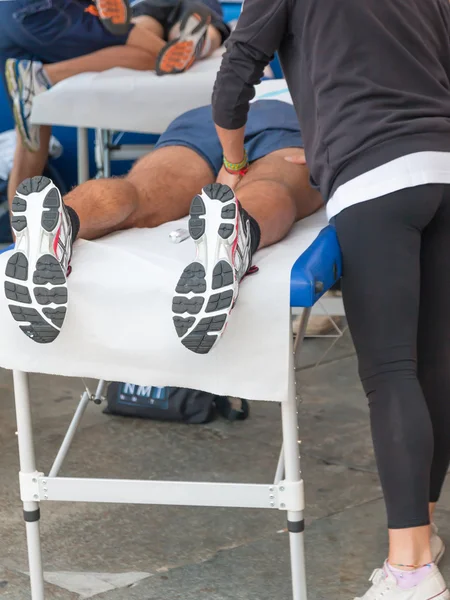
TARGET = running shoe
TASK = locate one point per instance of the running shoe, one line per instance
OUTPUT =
(115, 15)
(26, 79)
(180, 54)
(208, 288)
(437, 545)
(385, 587)
(36, 273)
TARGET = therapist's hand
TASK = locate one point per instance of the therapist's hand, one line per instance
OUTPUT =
(226, 178)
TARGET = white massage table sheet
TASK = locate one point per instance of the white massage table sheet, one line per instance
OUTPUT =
(119, 321)
(139, 101)
(126, 100)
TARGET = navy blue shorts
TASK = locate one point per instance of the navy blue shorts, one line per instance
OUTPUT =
(272, 125)
(50, 30)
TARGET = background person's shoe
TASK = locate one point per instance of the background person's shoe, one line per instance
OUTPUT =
(115, 15)
(36, 273)
(180, 54)
(26, 80)
(208, 287)
(385, 587)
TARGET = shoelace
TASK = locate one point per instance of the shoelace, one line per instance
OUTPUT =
(378, 578)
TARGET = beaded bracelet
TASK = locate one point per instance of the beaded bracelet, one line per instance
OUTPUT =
(236, 168)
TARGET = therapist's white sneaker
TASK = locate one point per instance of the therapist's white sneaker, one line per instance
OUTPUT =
(436, 544)
(36, 274)
(385, 587)
(26, 79)
(208, 288)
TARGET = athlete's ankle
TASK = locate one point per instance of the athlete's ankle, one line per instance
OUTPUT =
(255, 230)
(75, 221)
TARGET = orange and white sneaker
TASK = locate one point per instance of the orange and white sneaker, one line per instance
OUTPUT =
(36, 273)
(180, 54)
(208, 288)
(115, 15)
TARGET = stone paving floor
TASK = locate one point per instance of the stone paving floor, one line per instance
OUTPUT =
(118, 552)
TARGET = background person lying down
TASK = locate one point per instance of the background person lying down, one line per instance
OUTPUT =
(273, 195)
(43, 43)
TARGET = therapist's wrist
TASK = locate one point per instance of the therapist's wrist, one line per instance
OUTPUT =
(236, 167)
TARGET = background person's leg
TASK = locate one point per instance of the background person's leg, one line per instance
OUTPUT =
(434, 339)
(140, 53)
(52, 33)
(381, 241)
(156, 190)
(277, 194)
(28, 164)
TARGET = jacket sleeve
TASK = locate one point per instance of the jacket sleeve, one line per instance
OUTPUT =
(252, 45)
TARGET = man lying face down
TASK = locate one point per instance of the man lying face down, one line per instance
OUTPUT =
(228, 227)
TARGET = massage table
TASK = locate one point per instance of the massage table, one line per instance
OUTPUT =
(118, 327)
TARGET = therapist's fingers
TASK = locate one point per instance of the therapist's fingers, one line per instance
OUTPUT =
(296, 159)
(226, 178)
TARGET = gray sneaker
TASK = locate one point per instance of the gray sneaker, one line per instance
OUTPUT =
(26, 79)
(36, 273)
(208, 287)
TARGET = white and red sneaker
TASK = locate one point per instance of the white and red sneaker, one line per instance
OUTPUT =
(36, 274)
(208, 288)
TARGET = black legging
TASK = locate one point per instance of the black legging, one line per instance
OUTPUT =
(396, 290)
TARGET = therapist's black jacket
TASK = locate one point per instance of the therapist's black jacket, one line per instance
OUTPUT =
(370, 79)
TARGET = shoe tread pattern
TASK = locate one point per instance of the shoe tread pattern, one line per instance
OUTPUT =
(33, 185)
(192, 280)
(199, 340)
(37, 328)
(48, 270)
(50, 217)
(192, 306)
(18, 293)
(44, 296)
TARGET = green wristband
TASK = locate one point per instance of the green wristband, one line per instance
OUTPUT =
(236, 166)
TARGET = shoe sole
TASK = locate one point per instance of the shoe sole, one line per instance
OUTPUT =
(13, 90)
(207, 288)
(35, 284)
(180, 54)
(118, 22)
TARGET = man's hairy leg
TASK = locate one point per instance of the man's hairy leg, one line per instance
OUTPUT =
(277, 193)
(158, 189)
(140, 53)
